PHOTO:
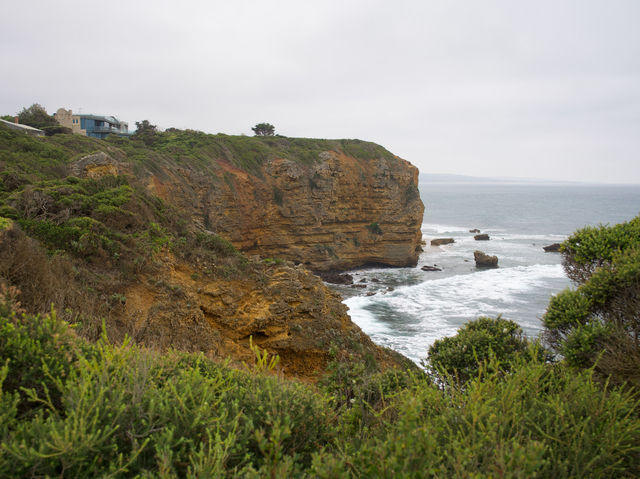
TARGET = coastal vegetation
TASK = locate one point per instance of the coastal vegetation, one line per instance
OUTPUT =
(78, 400)
(70, 408)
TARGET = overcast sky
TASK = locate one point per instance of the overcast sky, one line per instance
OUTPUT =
(545, 89)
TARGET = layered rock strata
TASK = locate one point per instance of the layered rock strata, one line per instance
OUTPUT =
(336, 213)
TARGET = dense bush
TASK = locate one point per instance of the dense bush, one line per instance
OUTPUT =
(538, 421)
(101, 409)
(460, 358)
(593, 323)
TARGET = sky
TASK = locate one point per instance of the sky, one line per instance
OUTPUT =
(540, 89)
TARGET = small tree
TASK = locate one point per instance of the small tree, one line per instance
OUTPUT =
(264, 129)
(36, 116)
(146, 132)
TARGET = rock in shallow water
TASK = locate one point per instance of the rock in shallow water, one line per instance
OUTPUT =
(337, 278)
(441, 241)
(552, 248)
(484, 260)
(430, 268)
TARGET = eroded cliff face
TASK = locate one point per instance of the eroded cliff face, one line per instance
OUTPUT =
(338, 212)
(284, 309)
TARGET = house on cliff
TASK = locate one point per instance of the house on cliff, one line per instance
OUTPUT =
(96, 126)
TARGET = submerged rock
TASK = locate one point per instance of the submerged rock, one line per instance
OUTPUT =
(475, 230)
(552, 248)
(484, 260)
(430, 268)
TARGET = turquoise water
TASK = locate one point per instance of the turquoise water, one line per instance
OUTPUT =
(520, 219)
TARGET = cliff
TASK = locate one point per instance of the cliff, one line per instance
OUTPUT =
(135, 233)
(330, 205)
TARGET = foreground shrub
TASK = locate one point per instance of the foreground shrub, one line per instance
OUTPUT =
(538, 421)
(459, 358)
(123, 410)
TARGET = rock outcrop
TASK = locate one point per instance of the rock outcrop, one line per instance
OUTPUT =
(484, 260)
(333, 212)
(136, 221)
(481, 237)
(441, 241)
(430, 268)
(552, 248)
(287, 311)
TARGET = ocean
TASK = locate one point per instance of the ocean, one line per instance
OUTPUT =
(407, 309)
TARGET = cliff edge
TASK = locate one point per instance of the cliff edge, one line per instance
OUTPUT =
(328, 204)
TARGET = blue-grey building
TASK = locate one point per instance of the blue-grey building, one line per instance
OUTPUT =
(97, 126)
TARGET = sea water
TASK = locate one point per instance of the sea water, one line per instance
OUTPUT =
(407, 309)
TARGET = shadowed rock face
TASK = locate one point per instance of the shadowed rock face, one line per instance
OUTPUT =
(336, 213)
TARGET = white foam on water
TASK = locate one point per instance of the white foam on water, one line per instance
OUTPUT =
(433, 228)
(364, 318)
(495, 285)
(436, 308)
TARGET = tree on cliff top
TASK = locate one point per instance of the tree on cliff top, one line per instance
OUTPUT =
(36, 116)
(264, 129)
(146, 132)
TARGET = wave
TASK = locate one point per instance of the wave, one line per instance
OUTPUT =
(410, 318)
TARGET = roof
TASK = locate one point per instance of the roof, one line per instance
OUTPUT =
(109, 119)
(19, 126)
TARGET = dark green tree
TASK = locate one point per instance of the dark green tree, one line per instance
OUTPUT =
(146, 132)
(36, 116)
(264, 129)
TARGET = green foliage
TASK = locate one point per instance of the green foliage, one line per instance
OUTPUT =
(539, 421)
(56, 130)
(73, 409)
(36, 116)
(592, 247)
(590, 323)
(462, 357)
(374, 228)
(146, 132)
(264, 129)
(123, 410)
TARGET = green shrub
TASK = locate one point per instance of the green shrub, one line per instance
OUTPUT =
(587, 325)
(123, 410)
(374, 228)
(461, 357)
(539, 421)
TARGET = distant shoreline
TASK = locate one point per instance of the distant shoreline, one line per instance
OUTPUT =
(463, 179)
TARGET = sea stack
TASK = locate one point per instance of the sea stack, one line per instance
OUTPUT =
(484, 260)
